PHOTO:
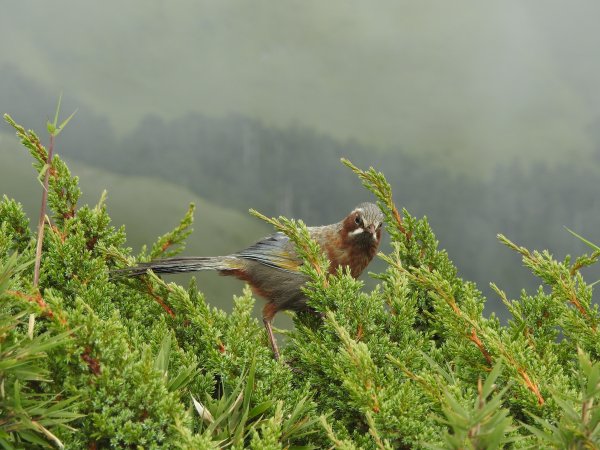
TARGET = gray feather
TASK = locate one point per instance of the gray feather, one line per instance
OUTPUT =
(180, 265)
(274, 251)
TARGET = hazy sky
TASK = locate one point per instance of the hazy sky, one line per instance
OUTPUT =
(463, 81)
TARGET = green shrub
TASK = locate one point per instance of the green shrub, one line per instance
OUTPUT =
(141, 363)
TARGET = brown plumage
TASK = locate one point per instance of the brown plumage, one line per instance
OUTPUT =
(271, 266)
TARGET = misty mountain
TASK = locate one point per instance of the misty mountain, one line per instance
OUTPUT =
(240, 162)
(467, 84)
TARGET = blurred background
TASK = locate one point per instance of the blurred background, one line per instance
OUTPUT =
(485, 117)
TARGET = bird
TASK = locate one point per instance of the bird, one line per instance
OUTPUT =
(271, 266)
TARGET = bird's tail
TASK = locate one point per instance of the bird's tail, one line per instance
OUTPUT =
(181, 265)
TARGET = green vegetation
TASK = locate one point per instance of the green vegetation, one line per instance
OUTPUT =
(146, 207)
(414, 363)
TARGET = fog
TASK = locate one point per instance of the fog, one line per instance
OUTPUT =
(484, 116)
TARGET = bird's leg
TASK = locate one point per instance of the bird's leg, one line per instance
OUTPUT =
(272, 340)
(268, 313)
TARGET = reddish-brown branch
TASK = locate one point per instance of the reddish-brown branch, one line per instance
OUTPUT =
(359, 332)
(93, 363)
(572, 295)
(568, 289)
(36, 298)
(577, 305)
(400, 222)
(315, 263)
(531, 385)
(60, 234)
(576, 268)
(158, 299)
(475, 339)
(450, 300)
(166, 245)
(38, 146)
(376, 407)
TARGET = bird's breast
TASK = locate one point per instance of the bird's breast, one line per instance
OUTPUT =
(356, 257)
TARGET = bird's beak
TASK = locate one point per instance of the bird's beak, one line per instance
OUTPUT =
(371, 229)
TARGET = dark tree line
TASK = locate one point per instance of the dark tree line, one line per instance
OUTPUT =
(240, 162)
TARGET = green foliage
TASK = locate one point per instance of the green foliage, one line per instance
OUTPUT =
(485, 424)
(230, 421)
(53, 127)
(63, 190)
(27, 415)
(149, 364)
(579, 424)
(174, 237)
(14, 228)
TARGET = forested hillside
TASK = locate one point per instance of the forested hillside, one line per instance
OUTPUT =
(240, 163)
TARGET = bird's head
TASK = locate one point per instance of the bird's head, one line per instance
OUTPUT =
(363, 224)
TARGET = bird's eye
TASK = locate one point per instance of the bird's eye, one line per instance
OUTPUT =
(379, 226)
(358, 220)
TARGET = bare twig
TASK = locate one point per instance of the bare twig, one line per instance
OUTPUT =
(40, 237)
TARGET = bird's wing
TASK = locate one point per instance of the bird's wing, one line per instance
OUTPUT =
(274, 251)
